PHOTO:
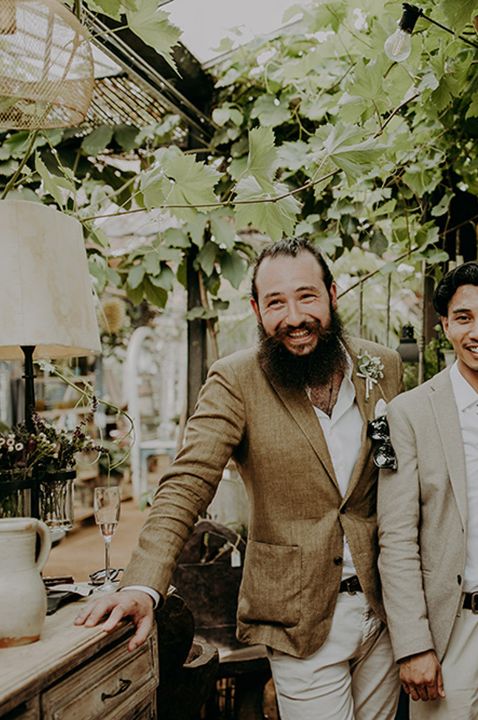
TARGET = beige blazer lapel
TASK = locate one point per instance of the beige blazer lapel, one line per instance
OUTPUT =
(366, 409)
(302, 411)
(446, 414)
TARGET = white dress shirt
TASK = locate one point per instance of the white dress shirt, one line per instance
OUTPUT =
(343, 435)
(466, 399)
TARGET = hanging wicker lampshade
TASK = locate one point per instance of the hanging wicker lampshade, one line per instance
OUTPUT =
(46, 66)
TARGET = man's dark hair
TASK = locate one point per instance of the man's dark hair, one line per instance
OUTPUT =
(466, 274)
(291, 248)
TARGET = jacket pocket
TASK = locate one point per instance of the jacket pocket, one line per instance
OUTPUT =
(271, 585)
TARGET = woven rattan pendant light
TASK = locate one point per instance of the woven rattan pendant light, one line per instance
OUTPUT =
(46, 66)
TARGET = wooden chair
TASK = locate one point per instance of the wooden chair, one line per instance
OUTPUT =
(208, 578)
(187, 665)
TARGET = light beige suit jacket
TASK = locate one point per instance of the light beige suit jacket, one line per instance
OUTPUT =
(422, 519)
(298, 517)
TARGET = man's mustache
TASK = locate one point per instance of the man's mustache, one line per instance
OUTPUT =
(312, 326)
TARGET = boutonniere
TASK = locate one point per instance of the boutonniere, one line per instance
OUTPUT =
(370, 368)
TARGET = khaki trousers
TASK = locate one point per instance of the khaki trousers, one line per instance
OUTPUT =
(460, 676)
(351, 677)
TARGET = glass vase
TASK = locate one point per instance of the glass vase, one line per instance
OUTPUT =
(56, 499)
(15, 494)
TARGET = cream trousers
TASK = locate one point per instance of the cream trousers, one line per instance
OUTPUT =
(351, 677)
(460, 676)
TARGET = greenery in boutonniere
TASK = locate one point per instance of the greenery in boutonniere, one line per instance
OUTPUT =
(370, 368)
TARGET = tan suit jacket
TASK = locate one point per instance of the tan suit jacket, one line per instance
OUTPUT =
(292, 568)
(422, 519)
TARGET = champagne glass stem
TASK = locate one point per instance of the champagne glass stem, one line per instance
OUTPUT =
(107, 560)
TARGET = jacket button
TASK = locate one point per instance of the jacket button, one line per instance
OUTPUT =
(338, 560)
(458, 577)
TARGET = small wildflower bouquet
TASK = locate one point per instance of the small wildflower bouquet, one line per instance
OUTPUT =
(46, 456)
(45, 450)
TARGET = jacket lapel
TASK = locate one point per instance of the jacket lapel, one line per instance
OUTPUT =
(446, 414)
(366, 409)
(302, 411)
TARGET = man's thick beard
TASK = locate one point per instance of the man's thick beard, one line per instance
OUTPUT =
(298, 372)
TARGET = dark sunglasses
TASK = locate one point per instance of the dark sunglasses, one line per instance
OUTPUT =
(98, 577)
(383, 453)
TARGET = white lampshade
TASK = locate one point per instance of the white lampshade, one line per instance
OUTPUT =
(46, 297)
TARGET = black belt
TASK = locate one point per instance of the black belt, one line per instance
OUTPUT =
(351, 585)
(470, 602)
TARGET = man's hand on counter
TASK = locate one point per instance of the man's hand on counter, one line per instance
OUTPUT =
(116, 606)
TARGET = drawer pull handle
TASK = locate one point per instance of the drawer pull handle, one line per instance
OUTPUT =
(123, 686)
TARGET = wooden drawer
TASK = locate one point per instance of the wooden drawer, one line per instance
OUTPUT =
(147, 711)
(110, 687)
(26, 711)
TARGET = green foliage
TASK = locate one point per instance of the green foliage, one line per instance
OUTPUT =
(318, 133)
(145, 19)
(178, 180)
(153, 27)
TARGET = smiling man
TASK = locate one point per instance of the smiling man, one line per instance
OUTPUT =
(293, 414)
(428, 520)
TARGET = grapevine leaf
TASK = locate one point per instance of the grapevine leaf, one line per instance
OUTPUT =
(273, 218)
(153, 26)
(135, 276)
(233, 268)
(155, 295)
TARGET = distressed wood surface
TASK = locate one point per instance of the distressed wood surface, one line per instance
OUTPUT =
(29, 670)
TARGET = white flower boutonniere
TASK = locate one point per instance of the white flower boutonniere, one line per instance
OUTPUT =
(370, 368)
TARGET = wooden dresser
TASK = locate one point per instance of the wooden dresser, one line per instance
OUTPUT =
(77, 673)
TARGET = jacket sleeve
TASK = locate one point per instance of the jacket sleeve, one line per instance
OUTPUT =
(398, 513)
(188, 486)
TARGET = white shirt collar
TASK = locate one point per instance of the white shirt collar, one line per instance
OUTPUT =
(465, 394)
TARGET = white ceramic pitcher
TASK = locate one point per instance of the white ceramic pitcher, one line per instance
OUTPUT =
(22, 593)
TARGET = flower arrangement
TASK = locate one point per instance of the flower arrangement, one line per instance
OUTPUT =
(46, 457)
(45, 450)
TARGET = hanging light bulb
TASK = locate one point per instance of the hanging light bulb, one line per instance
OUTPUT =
(399, 45)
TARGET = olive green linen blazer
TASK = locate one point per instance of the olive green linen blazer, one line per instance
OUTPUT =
(297, 517)
(422, 519)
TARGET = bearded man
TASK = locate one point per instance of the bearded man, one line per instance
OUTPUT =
(293, 414)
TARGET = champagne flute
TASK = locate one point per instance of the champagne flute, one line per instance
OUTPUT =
(107, 504)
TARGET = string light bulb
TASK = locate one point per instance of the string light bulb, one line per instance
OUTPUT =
(399, 45)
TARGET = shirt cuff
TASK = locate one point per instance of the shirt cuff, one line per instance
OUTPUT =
(157, 598)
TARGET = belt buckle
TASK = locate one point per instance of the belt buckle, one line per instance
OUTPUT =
(349, 583)
(474, 603)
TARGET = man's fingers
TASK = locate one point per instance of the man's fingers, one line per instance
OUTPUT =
(93, 612)
(440, 686)
(143, 629)
(412, 690)
(128, 603)
(116, 615)
(423, 692)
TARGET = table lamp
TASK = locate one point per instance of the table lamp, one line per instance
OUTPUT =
(46, 298)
